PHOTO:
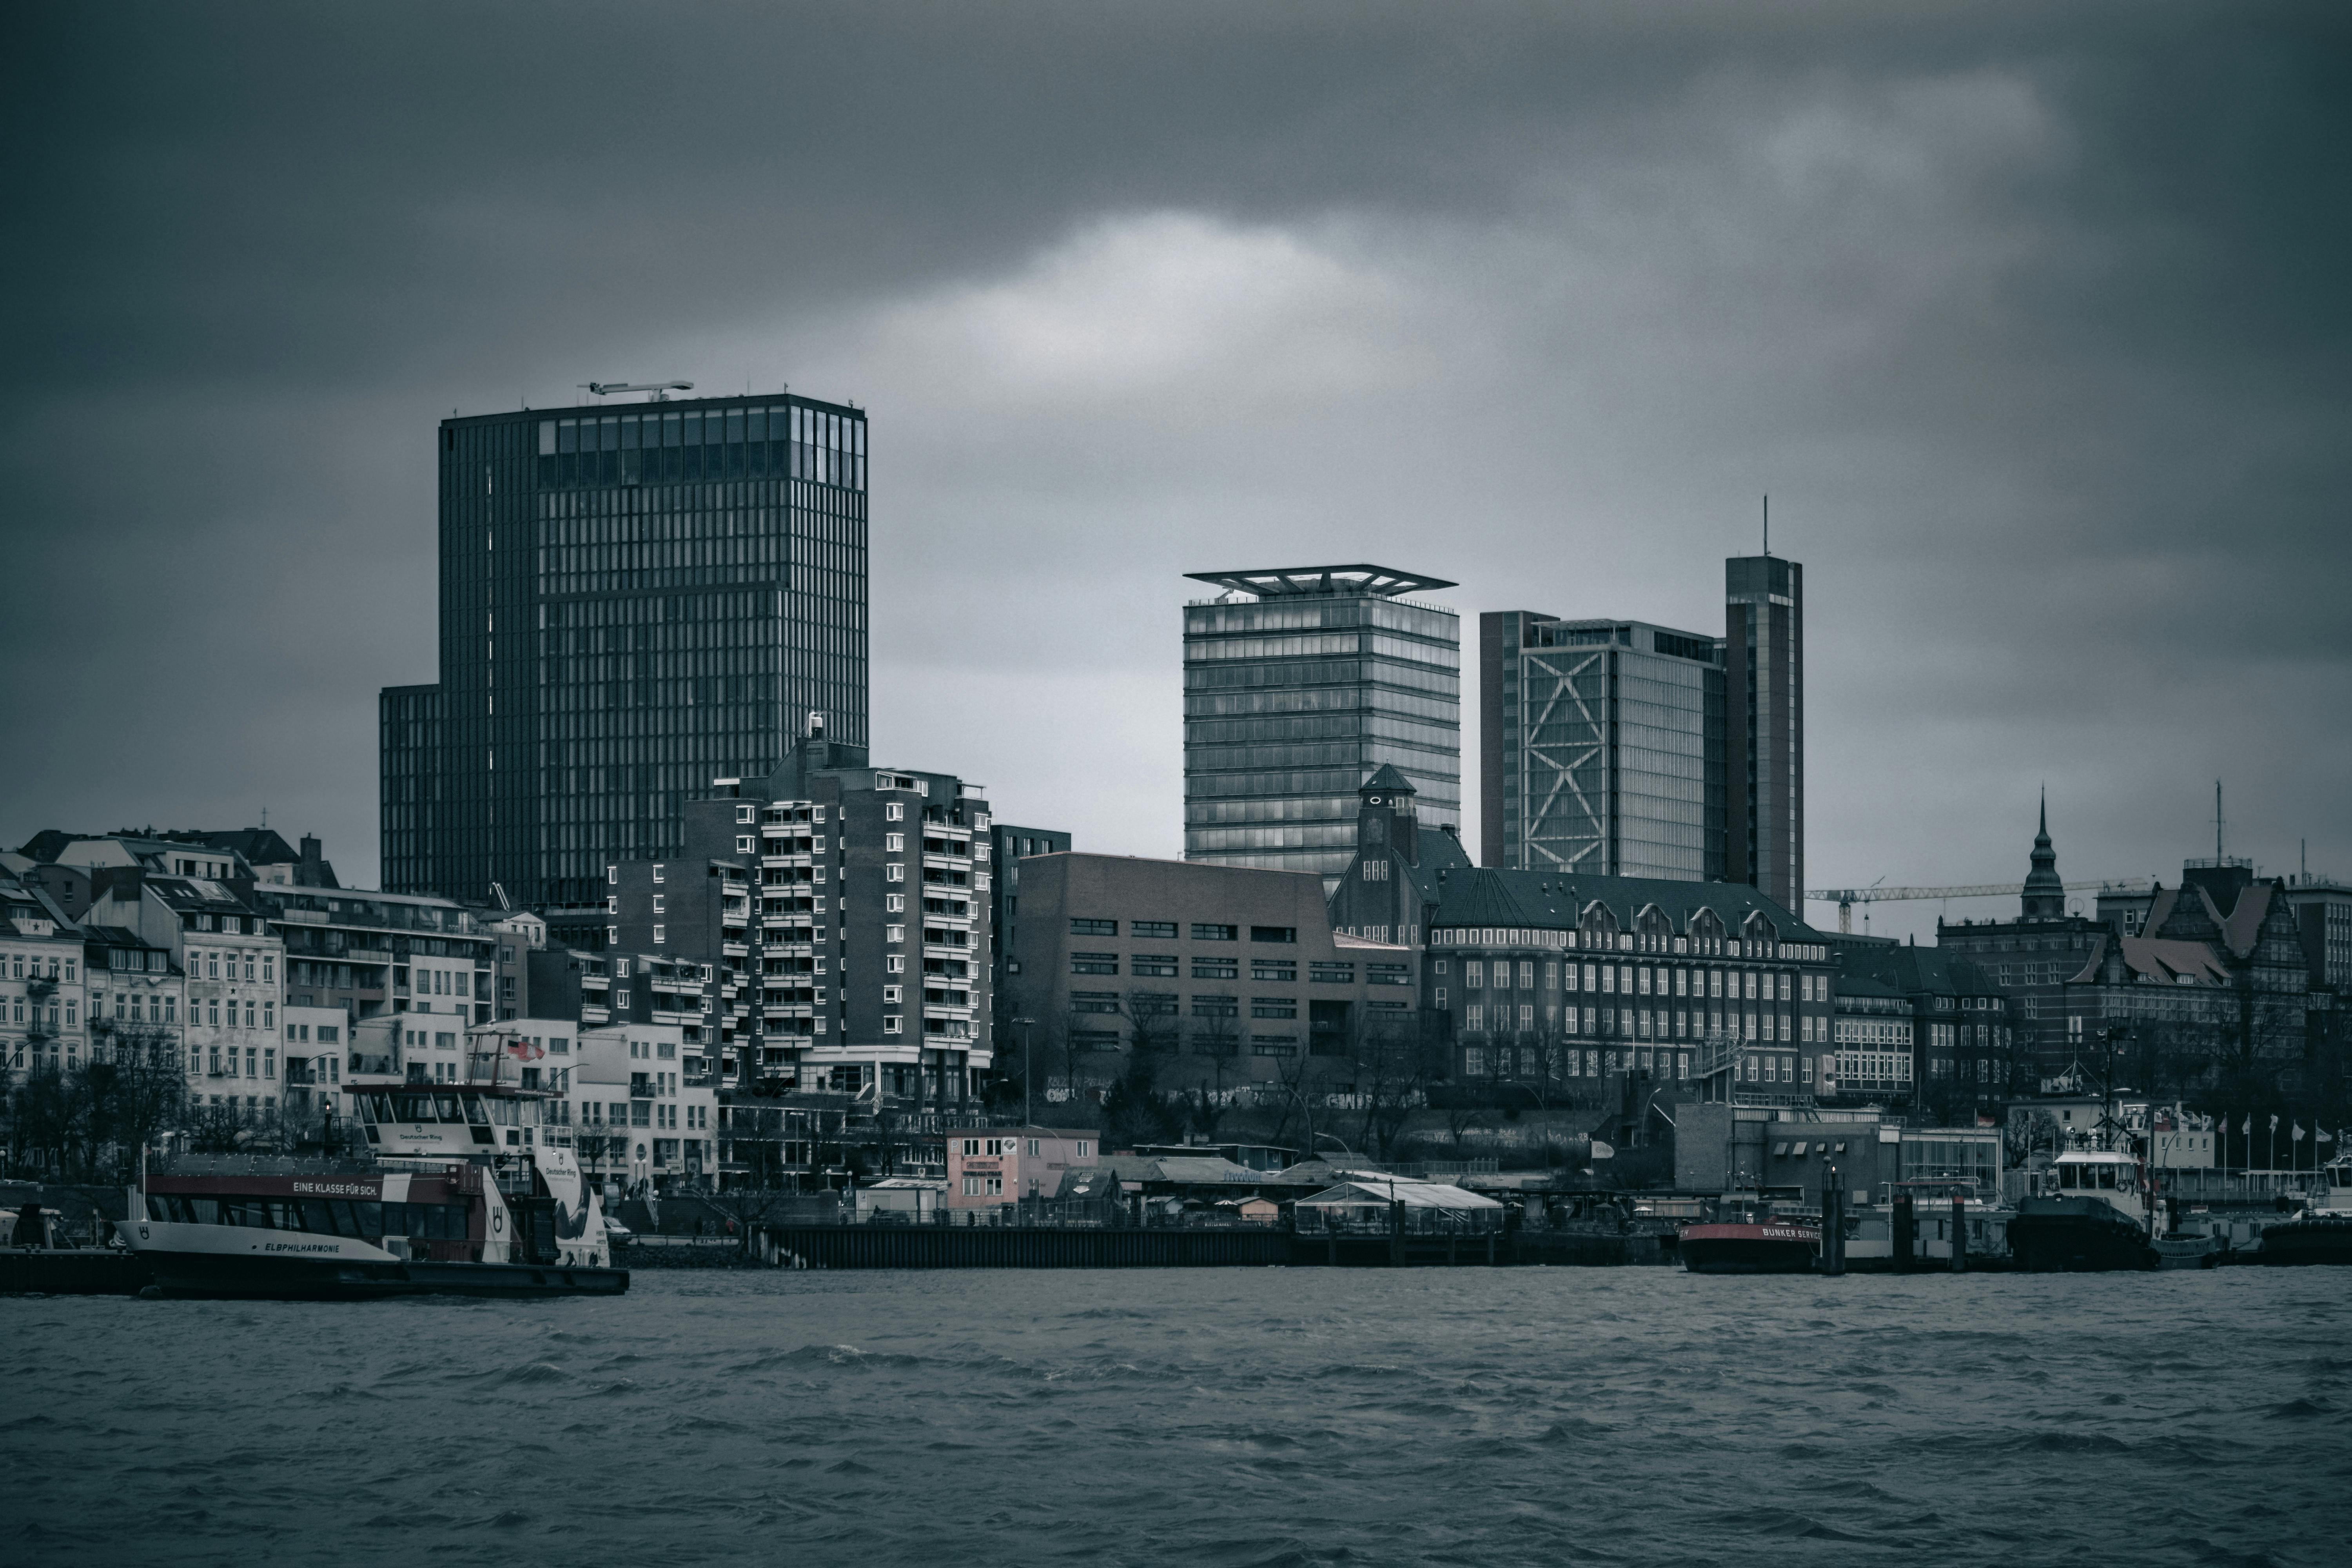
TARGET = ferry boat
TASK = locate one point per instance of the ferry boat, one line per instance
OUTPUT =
(2322, 1233)
(446, 1209)
(1752, 1236)
(2094, 1213)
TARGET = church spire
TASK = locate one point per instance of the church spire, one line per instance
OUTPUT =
(2045, 895)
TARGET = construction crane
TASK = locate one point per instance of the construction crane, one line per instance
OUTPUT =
(1846, 898)
(607, 388)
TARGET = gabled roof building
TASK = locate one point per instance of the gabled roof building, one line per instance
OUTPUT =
(1544, 988)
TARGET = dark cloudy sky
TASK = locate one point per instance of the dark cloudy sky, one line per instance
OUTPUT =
(2032, 319)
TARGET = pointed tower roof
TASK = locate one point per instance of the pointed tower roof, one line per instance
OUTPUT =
(1389, 780)
(2045, 895)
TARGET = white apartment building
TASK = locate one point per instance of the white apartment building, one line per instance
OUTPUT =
(42, 1021)
(638, 1117)
(234, 966)
(134, 994)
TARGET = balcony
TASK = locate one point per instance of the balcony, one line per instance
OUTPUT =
(40, 987)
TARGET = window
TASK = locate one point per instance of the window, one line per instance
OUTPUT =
(1274, 1007)
(1165, 930)
(894, 903)
(747, 845)
(1215, 1007)
(1388, 975)
(894, 843)
(1331, 974)
(894, 811)
(1217, 968)
(1094, 964)
(1274, 934)
(1281, 970)
(1094, 1001)
(1095, 928)
(1204, 931)
(1163, 964)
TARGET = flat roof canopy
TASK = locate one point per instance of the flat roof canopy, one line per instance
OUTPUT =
(1292, 581)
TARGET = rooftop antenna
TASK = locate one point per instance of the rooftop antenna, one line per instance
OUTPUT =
(1768, 525)
(2217, 819)
(661, 389)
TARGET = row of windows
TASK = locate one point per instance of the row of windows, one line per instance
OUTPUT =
(1328, 672)
(1291, 616)
(1641, 980)
(1202, 931)
(1642, 1022)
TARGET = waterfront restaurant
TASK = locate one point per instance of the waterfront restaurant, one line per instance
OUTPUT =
(1366, 1203)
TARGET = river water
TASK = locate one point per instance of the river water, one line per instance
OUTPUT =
(1213, 1417)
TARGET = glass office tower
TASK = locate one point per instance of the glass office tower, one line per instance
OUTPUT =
(1298, 684)
(634, 601)
(1600, 748)
(1764, 669)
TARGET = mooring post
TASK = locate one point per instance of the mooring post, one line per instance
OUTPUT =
(1396, 1235)
(1902, 1228)
(1960, 1235)
(1832, 1259)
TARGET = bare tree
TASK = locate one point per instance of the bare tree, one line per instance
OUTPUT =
(1390, 1067)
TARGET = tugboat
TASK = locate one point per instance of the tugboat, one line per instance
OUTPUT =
(2094, 1216)
(2322, 1233)
(452, 1212)
(1751, 1236)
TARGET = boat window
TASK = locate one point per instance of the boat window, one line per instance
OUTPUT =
(2108, 1177)
(347, 1223)
(448, 1106)
(371, 1218)
(317, 1217)
(383, 1107)
(2068, 1176)
(476, 1113)
(413, 1108)
(202, 1210)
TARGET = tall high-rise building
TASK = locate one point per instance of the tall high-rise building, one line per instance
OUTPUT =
(634, 602)
(1298, 684)
(1764, 726)
(1600, 748)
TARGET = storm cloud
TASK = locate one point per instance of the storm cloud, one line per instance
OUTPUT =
(2031, 319)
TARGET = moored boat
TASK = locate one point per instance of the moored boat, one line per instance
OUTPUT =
(2322, 1233)
(2092, 1216)
(444, 1216)
(1751, 1236)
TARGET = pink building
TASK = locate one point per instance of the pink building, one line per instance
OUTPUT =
(1004, 1164)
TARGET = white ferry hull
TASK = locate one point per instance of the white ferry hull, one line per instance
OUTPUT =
(248, 1264)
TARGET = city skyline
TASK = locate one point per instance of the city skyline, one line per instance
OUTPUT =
(2006, 459)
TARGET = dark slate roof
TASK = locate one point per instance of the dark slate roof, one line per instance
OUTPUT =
(1909, 970)
(195, 893)
(1388, 778)
(259, 845)
(49, 843)
(1473, 896)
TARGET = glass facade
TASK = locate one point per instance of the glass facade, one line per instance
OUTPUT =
(633, 602)
(1297, 695)
(1764, 658)
(1606, 741)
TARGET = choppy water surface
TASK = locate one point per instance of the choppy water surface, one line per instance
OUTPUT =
(1210, 1417)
